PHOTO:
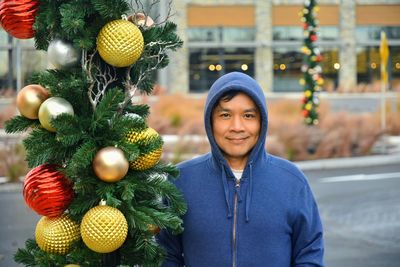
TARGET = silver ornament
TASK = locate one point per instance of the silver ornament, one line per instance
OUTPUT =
(63, 55)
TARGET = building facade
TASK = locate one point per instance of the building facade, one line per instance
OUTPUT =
(261, 38)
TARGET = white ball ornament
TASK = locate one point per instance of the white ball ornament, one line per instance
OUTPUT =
(51, 108)
(62, 55)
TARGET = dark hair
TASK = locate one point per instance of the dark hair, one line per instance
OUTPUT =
(227, 96)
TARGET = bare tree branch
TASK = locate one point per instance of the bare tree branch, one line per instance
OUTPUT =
(159, 57)
(98, 80)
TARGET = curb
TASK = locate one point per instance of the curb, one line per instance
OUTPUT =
(312, 165)
(327, 164)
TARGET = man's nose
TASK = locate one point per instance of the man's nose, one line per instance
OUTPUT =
(236, 123)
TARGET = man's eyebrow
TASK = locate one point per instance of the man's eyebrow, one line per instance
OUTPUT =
(222, 109)
(251, 110)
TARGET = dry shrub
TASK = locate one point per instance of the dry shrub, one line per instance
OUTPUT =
(12, 159)
(7, 113)
(177, 114)
(337, 135)
(346, 135)
(393, 117)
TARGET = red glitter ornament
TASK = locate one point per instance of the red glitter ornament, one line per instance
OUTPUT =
(305, 113)
(17, 17)
(47, 191)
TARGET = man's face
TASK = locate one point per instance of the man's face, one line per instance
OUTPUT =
(236, 128)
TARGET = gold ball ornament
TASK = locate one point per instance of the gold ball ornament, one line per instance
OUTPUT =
(29, 100)
(72, 265)
(56, 235)
(104, 229)
(120, 43)
(148, 160)
(110, 164)
(51, 108)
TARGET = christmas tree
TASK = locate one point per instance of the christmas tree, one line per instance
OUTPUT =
(96, 176)
(312, 80)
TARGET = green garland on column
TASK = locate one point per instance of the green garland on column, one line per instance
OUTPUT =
(66, 149)
(312, 80)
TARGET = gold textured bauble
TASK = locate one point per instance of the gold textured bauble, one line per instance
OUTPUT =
(142, 137)
(51, 108)
(144, 161)
(147, 160)
(120, 43)
(104, 229)
(29, 100)
(56, 235)
(72, 265)
(110, 164)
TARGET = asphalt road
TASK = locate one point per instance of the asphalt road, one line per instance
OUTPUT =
(360, 209)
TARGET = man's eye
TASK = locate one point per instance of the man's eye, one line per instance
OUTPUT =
(224, 115)
(249, 116)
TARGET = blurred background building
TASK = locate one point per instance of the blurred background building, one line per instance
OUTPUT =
(259, 37)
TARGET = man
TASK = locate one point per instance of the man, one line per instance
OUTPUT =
(245, 206)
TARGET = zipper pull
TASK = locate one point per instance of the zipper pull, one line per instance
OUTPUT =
(237, 183)
(237, 190)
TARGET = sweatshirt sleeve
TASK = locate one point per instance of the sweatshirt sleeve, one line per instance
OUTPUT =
(307, 242)
(172, 245)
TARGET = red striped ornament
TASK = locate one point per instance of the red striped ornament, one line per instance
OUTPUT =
(17, 17)
(47, 191)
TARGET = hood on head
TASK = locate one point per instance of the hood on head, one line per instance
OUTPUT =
(236, 81)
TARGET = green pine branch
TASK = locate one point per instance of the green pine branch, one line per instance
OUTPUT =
(20, 124)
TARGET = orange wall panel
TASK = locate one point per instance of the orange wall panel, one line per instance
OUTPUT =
(388, 15)
(228, 16)
(288, 15)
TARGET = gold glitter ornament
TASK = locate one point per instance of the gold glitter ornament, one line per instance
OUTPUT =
(148, 160)
(110, 164)
(56, 235)
(29, 100)
(120, 43)
(104, 229)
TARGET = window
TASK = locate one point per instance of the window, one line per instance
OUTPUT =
(368, 67)
(208, 64)
(19, 59)
(368, 57)
(290, 33)
(221, 34)
(368, 33)
(287, 69)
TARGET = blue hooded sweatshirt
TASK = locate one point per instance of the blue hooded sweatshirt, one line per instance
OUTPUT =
(270, 219)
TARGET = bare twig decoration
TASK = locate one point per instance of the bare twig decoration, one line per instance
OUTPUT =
(139, 7)
(98, 79)
(159, 57)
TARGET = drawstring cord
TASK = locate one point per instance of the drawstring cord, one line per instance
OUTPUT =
(249, 192)
(226, 189)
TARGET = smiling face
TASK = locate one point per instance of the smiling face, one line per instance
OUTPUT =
(236, 125)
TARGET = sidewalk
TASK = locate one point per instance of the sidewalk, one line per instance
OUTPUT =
(325, 164)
